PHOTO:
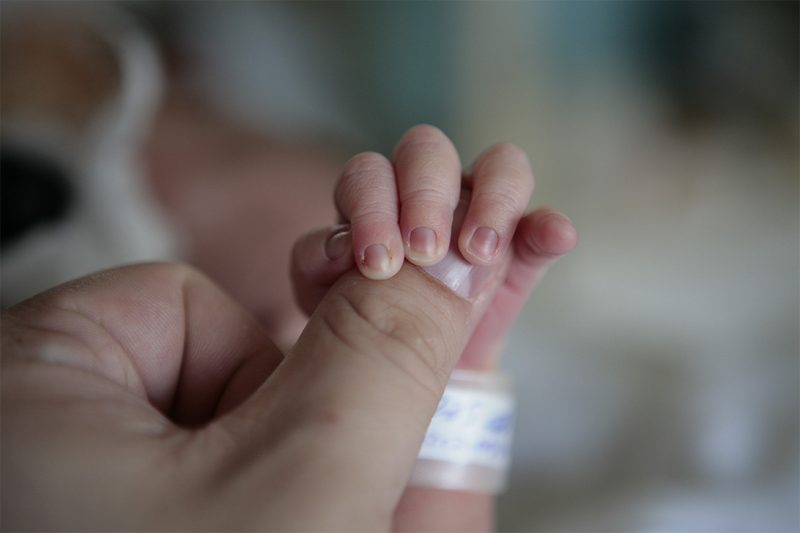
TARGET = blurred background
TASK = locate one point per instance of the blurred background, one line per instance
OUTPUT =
(656, 366)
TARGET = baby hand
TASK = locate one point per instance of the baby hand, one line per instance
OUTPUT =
(404, 209)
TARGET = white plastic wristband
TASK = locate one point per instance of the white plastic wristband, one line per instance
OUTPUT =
(468, 443)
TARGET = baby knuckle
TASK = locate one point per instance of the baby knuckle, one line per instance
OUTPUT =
(368, 213)
(502, 200)
(428, 195)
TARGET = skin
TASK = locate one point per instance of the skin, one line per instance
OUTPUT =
(147, 398)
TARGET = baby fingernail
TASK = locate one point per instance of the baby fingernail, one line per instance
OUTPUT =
(423, 242)
(337, 245)
(484, 243)
(376, 258)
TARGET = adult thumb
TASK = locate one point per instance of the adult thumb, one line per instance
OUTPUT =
(349, 406)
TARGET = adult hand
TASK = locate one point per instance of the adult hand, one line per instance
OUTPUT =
(116, 389)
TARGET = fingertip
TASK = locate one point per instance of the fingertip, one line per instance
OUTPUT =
(423, 133)
(426, 246)
(548, 233)
(480, 246)
(377, 248)
(379, 262)
(557, 235)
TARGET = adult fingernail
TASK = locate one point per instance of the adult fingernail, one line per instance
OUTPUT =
(422, 241)
(484, 243)
(463, 278)
(376, 258)
(338, 244)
